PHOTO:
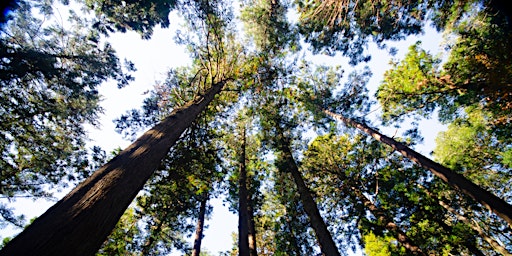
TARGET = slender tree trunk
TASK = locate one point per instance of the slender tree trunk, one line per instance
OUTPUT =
(459, 182)
(491, 241)
(243, 219)
(388, 224)
(295, 245)
(80, 222)
(252, 229)
(198, 238)
(471, 223)
(327, 245)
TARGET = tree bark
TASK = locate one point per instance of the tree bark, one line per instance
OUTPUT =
(80, 222)
(326, 243)
(457, 181)
(198, 238)
(252, 229)
(243, 219)
(402, 238)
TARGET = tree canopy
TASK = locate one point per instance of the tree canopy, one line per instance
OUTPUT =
(297, 148)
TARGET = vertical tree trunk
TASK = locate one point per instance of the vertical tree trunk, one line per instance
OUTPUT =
(457, 181)
(402, 238)
(295, 245)
(326, 243)
(252, 229)
(198, 238)
(80, 222)
(243, 219)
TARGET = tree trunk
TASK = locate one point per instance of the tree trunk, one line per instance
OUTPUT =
(198, 238)
(293, 241)
(243, 219)
(80, 222)
(402, 238)
(252, 229)
(459, 182)
(471, 223)
(326, 243)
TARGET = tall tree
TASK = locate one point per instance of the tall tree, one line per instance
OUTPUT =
(459, 182)
(82, 212)
(243, 215)
(198, 236)
(363, 181)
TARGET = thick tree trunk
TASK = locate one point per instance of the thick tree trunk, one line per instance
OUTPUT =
(402, 238)
(326, 243)
(198, 238)
(459, 182)
(243, 219)
(252, 229)
(80, 222)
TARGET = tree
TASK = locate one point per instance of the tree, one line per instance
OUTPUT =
(50, 76)
(348, 26)
(459, 182)
(113, 186)
(377, 193)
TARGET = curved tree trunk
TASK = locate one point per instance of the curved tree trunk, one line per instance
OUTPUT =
(243, 219)
(326, 243)
(80, 222)
(198, 238)
(459, 182)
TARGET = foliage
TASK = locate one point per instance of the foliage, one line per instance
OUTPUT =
(49, 76)
(348, 26)
(477, 73)
(139, 16)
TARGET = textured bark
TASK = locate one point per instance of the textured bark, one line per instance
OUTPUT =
(252, 229)
(457, 181)
(80, 222)
(402, 238)
(198, 238)
(243, 219)
(326, 243)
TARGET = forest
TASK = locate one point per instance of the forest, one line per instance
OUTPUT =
(299, 150)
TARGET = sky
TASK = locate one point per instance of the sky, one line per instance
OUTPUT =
(152, 59)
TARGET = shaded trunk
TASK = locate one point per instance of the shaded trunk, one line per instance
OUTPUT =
(326, 243)
(252, 229)
(80, 222)
(457, 181)
(402, 238)
(295, 245)
(198, 238)
(243, 219)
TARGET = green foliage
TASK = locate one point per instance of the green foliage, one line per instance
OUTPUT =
(347, 26)
(377, 246)
(266, 22)
(49, 77)
(122, 241)
(477, 73)
(140, 16)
